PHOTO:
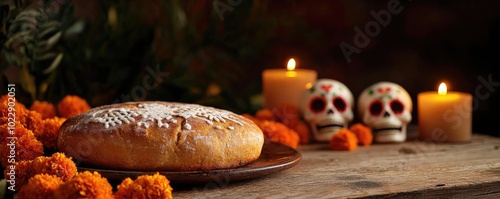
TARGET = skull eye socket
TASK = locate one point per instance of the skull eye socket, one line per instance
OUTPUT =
(340, 104)
(375, 108)
(397, 107)
(317, 104)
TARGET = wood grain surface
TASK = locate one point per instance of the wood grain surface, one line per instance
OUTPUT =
(413, 169)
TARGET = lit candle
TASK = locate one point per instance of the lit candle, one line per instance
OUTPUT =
(445, 116)
(284, 86)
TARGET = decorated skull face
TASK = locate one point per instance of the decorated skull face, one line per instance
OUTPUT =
(386, 108)
(327, 107)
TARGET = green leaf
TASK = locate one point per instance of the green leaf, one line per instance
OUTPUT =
(75, 29)
(44, 45)
(54, 64)
(27, 81)
(42, 88)
(49, 55)
(3, 188)
(48, 28)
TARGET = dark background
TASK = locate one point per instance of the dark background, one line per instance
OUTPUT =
(215, 51)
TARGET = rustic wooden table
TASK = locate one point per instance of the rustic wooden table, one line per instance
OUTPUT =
(406, 170)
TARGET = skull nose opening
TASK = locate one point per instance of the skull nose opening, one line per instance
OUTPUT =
(330, 111)
(386, 114)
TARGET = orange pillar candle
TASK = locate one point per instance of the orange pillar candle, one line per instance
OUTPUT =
(284, 86)
(445, 116)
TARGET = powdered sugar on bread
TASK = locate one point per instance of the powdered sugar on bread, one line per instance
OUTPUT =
(161, 115)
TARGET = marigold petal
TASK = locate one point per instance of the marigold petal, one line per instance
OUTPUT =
(343, 140)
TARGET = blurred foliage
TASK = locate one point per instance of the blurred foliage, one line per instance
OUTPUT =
(116, 51)
(204, 51)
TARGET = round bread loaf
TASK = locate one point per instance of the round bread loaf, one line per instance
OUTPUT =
(162, 136)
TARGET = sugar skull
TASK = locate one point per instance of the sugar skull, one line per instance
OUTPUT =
(386, 108)
(327, 107)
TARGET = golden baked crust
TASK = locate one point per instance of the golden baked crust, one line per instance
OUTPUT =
(161, 136)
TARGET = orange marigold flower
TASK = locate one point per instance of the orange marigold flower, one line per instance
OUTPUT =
(72, 105)
(145, 186)
(5, 100)
(278, 132)
(58, 165)
(85, 185)
(287, 114)
(363, 133)
(11, 111)
(304, 133)
(343, 140)
(32, 120)
(46, 109)
(50, 131)
(264, 114)
(40, 186)
(20, 140)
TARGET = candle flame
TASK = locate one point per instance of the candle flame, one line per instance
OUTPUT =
(442, 89)
(291, 64)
